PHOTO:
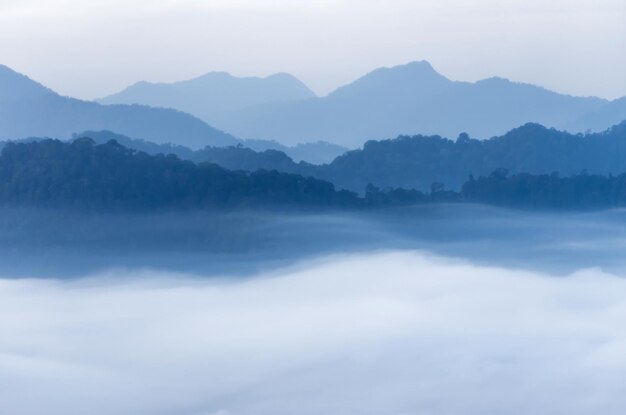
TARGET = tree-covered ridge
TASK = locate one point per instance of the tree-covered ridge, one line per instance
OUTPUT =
(82, 174)
(418, 161)
(252, 151)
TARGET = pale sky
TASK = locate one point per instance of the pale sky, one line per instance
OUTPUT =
(91, 48)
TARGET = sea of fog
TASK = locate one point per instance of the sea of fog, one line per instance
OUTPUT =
(453, 309)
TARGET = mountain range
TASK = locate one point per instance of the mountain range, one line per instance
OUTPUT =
(279, 112)
(110, 177)
(29, 109)
(402, 100)
(416, 162)
(214, 94)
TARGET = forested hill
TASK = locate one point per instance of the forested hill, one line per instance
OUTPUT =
(313, 153)
(109, 176)
(29, 109)
(105, 177)
(418, 161)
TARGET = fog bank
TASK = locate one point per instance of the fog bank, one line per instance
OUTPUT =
(389, 332)
(68, 244)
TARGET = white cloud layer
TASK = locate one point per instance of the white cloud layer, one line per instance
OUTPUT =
(390, 333)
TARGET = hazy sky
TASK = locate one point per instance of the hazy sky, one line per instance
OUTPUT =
(90, 48)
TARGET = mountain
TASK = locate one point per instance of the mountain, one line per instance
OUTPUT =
(319, 152)
(416, 162)
(309, 153)
(110, 177)
(18, 87)
(210, 96)
(29, 109)
(612, 113)
(230, 157)
(414, 98)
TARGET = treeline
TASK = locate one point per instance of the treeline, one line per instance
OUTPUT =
(110, 176)
(523, 190)
(416, 162)
(83, 174)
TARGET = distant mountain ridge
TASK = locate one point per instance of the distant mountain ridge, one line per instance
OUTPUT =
(387, 102)
(415, 99)
(29, 109)
(213, 94)
(18, 87)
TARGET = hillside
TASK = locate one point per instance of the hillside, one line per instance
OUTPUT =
(110, 177)
(213, 94)
(418, 161)
(415, 99)
(310, 153)
(81, 174)
(28, 109)
(415, 162)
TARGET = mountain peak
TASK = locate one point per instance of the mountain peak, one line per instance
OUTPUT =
(217, 78)
(417, 77)
(414, 70)
(423, 64)
(211, 95)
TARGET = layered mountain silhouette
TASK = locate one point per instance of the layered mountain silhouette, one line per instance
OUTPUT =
(247, 155)
(416, 162)
(414, 98)
(403, 100)
(27, 109)
(81, 174)
(213, 94)
(111, 177)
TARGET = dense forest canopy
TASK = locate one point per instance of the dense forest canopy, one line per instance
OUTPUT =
(416, 162)
(83, 174)
(523, 190)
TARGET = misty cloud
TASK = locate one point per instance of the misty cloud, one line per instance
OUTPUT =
(391, 332)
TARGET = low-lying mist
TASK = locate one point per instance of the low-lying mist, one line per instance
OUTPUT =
(65, 244)
(401, 332)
